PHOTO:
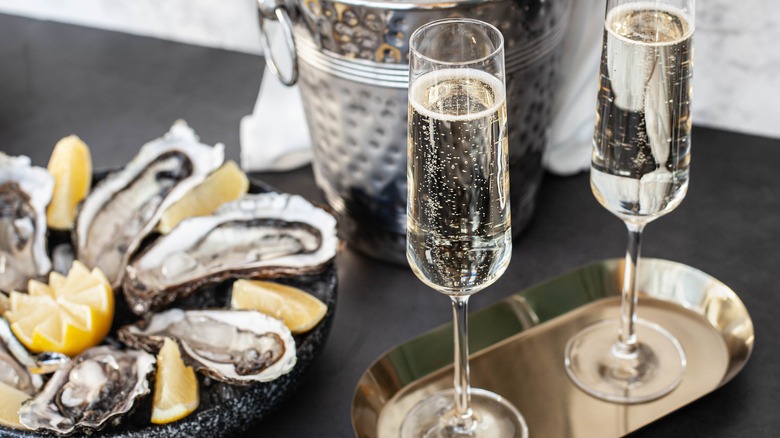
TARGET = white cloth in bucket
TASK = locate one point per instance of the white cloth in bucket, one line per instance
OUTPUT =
(571, 134)
(275, 136)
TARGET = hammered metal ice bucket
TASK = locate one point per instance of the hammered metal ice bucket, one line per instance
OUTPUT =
(351, 59)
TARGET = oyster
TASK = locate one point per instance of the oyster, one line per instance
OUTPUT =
(25, 191)
(257, 236)
(15, 362)
(99, 385)
(233, 346)
(122, 209)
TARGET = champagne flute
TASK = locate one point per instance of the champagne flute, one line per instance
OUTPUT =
(459, 237)
(639, 172)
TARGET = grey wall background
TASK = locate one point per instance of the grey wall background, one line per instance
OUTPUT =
(736, 79)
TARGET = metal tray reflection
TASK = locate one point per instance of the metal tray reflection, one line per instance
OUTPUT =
(518, 346)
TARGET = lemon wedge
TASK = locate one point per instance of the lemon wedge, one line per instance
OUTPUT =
(11, 400)
(299, 310)
(175, 388)
(71, 166)
(226, 184)
(68, 315)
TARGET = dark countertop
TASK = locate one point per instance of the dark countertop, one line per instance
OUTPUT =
(118, 91)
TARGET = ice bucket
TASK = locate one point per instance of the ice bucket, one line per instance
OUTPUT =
(351, 58)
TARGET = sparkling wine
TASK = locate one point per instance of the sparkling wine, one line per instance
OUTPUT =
(459, 237)
(641, 148)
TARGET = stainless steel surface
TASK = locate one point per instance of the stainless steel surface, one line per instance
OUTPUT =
(519, 344)
(378, 31)
(280, 14)
(353, 62)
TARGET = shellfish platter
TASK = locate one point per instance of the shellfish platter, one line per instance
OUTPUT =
(169, 297)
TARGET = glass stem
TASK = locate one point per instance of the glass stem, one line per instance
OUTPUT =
(627, 341)
(464, 419)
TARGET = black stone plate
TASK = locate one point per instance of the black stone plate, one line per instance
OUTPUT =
(224, 410)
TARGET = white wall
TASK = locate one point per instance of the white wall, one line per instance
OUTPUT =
(736, 79)
(737, 65)
(228, 24)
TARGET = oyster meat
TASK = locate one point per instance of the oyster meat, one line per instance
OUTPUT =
(123, 208)
(99, 385)
(15, 363)
(25, 191)
(233, 346)
(258, 236)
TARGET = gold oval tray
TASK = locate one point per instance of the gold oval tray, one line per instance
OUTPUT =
(518, 346)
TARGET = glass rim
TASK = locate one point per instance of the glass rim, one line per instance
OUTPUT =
(499, 47)
(689, 15)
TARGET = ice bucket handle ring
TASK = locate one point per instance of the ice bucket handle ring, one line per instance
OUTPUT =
(275, 9)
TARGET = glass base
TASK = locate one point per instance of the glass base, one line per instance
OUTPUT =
(654, 370)
(495, 417)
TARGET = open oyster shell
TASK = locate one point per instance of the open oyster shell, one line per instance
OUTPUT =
(123, 208)
(258, 236)
(25, 191)
(15, 362)
(100, 385)
(233, 346)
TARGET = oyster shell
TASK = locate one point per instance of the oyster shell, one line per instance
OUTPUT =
(25, 191)
(15, 362)
(123, 208)
(258, 236)
(234, 346)
(99, 385)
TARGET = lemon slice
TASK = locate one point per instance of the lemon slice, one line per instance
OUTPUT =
(71, 166)
(36, 288)
(226, 184)
(56, 280)
(68, 316)
(175, 388)
(299, 310)
(11, 400)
